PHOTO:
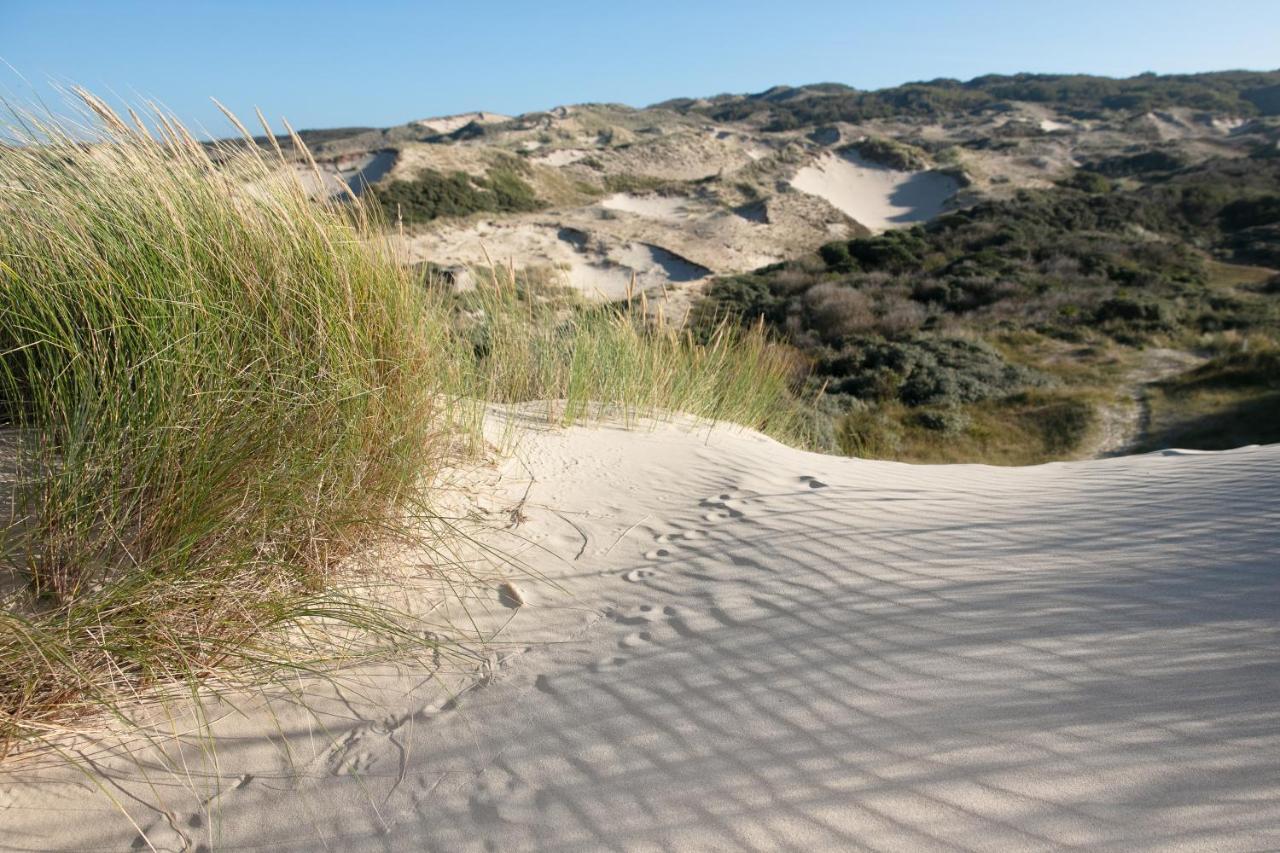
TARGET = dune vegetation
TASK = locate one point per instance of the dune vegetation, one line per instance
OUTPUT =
(1003, 331)
(217, 392)
(1083, 95)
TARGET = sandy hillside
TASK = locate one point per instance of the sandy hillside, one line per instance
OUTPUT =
(876, 196)
(743, 646)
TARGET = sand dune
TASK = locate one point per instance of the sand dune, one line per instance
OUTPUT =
(448, 124)
(757, 648)
(562, 156)
(878, 197)
(333, 178)
(597, 265)
(669, 208)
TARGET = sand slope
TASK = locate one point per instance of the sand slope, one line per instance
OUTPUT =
(758, 648)
(876, 196)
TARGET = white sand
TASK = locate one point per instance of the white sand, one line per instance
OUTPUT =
(598, 266)
(448, 124)
(561, 156)
(653, 268)
(667, 208)
(332, 179)
(878, 197)
(759, 648)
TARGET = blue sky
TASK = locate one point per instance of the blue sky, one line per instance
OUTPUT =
(326, 64)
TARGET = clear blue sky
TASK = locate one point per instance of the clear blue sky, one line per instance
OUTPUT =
(325, 64)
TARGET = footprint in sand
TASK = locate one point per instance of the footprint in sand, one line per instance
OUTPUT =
(606, 664)
(499, 798)
(635, 640)
(724, 506)
(640, 575)
(642, 615)
(813, 482)
(677, 537)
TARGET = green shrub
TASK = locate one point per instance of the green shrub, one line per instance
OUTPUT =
(1131, 313)
(1083, 96)
(1128, 165)
(1250, 212)
(891, 154)
(945, 421)
(923, 371)
(433, 194)
(1087, 182)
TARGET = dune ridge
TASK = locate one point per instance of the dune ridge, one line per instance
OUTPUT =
(744, 645)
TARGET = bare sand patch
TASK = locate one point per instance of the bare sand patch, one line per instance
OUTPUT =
(448, 124)
(562, 156)
(876, 196)
(670, 208)
(597, 265)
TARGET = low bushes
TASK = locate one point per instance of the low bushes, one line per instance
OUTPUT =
(894, 155)
(433, 194)
(922, 371)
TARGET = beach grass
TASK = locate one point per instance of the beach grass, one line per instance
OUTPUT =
(216, 391)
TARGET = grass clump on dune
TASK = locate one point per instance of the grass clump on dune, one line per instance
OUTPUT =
(585, 360)
(215, 391)
(432, 194)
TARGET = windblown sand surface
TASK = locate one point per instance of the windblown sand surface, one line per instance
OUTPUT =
(597, 265)
(562, 156)
(654, 206)
(878, 197)
(752, 647)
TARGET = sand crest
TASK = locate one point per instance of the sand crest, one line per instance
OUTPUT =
(754, 647)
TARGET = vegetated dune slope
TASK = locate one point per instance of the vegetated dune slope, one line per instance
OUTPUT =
(753, 647)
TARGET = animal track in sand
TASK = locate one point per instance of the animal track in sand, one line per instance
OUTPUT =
(499, 797)
(813, 482)
(164, 833)
(638, 575)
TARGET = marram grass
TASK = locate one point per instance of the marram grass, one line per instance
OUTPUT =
(215, 390)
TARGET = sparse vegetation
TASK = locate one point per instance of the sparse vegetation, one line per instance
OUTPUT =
(891, 153)
(1231, 400)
